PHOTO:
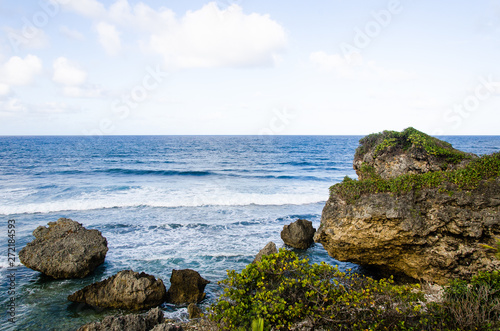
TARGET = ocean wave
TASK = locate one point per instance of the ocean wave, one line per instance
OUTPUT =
(142, 199)
(138, 172)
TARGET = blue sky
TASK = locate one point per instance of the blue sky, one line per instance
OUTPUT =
(78, 67)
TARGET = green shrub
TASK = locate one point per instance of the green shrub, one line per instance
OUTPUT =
(475, 304)
(284, 290)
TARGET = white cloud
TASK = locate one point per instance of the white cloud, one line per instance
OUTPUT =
(29, 37)
(211, 37)
(4, 89)
(356, 68)
(72, 34)
(82, 92)
(12, 105)
(67, 73)
(19, 71)
(87, 8)
(109, 37)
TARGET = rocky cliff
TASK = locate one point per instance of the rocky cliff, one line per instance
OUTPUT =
(429, 224)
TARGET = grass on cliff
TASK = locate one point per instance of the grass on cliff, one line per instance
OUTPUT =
(410, 138)
(468, 178)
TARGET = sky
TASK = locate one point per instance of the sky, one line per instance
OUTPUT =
(249, 67)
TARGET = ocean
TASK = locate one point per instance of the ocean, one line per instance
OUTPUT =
(207, 203)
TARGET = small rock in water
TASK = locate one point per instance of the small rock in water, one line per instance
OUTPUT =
(127, 290)
(194, 311)
(299, 234)
(132, 322)
(64, 250)
(269, 249)
(187, 286)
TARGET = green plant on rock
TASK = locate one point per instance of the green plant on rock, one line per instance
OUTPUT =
(467, 178)
(284, 290)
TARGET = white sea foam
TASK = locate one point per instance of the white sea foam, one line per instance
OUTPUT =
(154, 197)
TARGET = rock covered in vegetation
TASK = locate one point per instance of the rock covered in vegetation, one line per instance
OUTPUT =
(430, 226)
(132, 322)
(269, 249)
(298, 234)
(64, 250)
(187, 286)
(126, 290)
(390, 154)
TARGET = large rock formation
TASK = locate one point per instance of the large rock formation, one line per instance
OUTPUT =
(390, 154)
(298, 234)
(127, 290)
(64, 250)
(433, 231)
(187, 286)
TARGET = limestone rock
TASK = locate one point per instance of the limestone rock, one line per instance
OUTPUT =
(390, 154)
(167, 327)
(426, 235)
(187, 286)
(127, 290)
(194, 311)
(298, 234)
(64, 250)
(269, 249)
(132, 322)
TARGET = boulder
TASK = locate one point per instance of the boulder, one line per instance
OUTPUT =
(64, 250)
(390, 154)
(187, 286)
(132, 322)
(426, 227)
(194, 311)
(298, 234)
(125, 290)
(269, 249)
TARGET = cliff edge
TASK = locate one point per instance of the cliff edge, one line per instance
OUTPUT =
(419, 207)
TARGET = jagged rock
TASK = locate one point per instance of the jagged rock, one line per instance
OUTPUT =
(194, 311)
(127, 290)
(132, 322)
(269, 249)
(64, 250)
(390, 154)
(167, 327)
(187, 286)
(298, 234)
(433, 233)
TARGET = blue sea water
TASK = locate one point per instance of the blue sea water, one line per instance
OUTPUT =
(208, 203)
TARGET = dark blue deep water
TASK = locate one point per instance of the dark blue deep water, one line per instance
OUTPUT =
(207, 203)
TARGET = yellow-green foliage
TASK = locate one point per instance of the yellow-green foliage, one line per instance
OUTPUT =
(283, 290)
(410, 138)
(468, 178)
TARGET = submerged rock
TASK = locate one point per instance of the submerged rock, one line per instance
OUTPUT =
(433, 232)
(132, 322)
(64, 250)
(269, 249)
(298, 234)
(127, 290)
(187, 286)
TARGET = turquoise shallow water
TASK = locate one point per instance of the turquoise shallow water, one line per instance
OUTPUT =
(163, 203)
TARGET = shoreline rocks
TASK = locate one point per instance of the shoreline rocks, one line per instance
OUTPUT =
(64, 250)
(126, 290)
(187, 286)
(299, 234)
(269, 249)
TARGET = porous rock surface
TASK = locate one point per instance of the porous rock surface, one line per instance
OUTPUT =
(298, 234)
(126, 290)
(186, 286)
(64, 250)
